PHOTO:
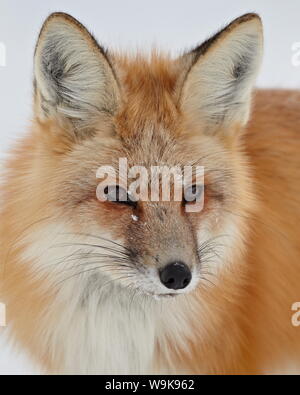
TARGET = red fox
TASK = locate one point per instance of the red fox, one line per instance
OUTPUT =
(129, 286)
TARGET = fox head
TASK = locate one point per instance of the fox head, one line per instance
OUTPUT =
(93, 107)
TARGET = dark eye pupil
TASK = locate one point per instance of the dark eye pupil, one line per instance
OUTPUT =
(194, 189)
(117, 194)
(192, 193)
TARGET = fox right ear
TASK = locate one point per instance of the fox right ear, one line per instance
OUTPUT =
(220, 75)
(74, 80)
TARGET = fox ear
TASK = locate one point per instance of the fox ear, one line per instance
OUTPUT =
(74, 81)
(221, 73)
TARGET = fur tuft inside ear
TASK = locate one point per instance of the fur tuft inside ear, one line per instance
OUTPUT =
(221, 73)
(74, 80)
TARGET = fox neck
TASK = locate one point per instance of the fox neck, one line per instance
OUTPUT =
(109, 334)
(118, 333)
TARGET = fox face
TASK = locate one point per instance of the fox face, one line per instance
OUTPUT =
(93, 108)
(99, 265)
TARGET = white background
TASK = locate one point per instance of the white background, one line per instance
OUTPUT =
(129, 24)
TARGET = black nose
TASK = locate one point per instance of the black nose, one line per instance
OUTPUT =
(175, 275)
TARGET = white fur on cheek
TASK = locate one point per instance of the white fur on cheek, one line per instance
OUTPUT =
(96, 331)
(97, 325)
(222, 245)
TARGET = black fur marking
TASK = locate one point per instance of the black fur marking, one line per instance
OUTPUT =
(242, 66)
(238, 70)
(202, 48)
(104, 51)
(57, 70)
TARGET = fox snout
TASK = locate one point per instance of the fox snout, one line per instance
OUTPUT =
(166, 253)
(175, 275)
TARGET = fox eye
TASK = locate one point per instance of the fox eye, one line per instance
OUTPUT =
(117, 194)
(193, 193)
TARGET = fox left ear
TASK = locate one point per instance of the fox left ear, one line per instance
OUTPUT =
(221, 73)
(75, 83)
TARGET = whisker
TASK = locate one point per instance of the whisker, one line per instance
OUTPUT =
(101, 238)
(86, 271)
(112, 266)
(77, 256)
(90, 245)
(18, 238)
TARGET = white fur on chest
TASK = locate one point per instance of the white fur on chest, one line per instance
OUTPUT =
(111, 335)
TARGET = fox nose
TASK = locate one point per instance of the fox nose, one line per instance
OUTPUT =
(175, 275)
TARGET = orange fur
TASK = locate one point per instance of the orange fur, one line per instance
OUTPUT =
(247, 326)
